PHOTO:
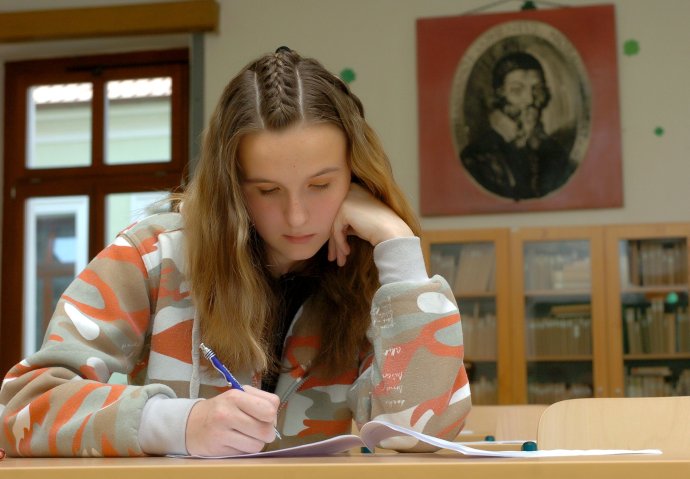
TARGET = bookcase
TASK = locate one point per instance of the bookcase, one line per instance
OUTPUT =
(558, 308)
(648, 322)
(475, 264)
(563, 312)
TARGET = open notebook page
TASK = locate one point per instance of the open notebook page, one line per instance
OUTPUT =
(373, 432)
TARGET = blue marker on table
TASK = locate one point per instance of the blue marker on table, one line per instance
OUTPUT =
(220, 367)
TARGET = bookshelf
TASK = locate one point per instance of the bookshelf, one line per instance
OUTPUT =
(475, 264)
(649, 325)
(557, 306)
(564, 312)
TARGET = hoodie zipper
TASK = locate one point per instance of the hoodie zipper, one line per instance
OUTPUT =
(294, 387)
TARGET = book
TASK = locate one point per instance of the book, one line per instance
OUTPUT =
(683, 330)
(444, 265)
(475, 269)
(648, 381)
(376, 431)
(633, 330)
(651, 371)
(670, 327)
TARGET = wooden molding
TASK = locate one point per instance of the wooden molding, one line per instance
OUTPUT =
(122, 20)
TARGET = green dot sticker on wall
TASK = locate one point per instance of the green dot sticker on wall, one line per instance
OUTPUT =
(659, 131)
(348, 75)
(631, 47)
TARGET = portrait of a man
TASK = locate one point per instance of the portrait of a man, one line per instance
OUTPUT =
(515, 157)
(517, 110)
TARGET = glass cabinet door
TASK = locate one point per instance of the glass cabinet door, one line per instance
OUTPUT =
(649, 312)
(473, 266)
(557, 314)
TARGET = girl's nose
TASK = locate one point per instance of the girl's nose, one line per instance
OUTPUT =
(296, 212)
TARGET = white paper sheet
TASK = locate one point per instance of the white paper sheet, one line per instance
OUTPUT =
(374, 432)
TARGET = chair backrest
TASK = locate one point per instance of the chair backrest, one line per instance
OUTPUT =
(504, 422)
(617, 423)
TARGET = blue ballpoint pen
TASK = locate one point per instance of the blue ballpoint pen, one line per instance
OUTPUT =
(220, 367)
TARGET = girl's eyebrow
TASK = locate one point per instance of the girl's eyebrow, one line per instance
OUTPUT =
(325, 171)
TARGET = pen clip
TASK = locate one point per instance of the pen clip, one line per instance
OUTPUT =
(206, 351)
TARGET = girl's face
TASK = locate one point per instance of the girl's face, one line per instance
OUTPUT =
(294, 182)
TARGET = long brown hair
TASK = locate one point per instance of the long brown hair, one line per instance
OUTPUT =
(230, 285)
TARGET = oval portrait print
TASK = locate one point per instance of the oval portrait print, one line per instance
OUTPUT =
(520, 110)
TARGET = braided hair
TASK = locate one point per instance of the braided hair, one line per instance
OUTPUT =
(231, 287)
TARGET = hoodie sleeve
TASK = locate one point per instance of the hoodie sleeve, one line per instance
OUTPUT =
(415, 376)
(57, 402)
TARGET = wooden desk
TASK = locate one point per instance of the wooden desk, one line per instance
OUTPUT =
(397, 466)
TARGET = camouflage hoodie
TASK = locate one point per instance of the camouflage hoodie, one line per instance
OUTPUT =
(130, 312)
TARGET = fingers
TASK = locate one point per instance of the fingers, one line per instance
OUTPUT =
(331, 249)
(256, 412)
(258, 404)
(366, 217)
(338, 247)
(234, 442)
(234, 422)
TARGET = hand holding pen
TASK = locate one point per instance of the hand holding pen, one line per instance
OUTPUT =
(237, 421)
(220, 367)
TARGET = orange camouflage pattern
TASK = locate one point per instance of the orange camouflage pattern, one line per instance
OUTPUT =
(130, 312)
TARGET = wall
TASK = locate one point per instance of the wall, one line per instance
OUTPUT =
(376, 38)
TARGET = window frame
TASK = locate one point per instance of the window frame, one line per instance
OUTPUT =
(97, 180)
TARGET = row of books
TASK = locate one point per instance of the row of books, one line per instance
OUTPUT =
(557, 271)
(656, 262)
(547, 393)
(471, 267)
(468, 270)
(484, 391)
(558, 337)
(640, 382)
(479, 336)
(683, 383)
(566, 331)
(654, 381)
(649, 329)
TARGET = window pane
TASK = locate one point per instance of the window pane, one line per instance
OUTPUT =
(56, 250)
(123, 209)
(138, 121)
(59, 126)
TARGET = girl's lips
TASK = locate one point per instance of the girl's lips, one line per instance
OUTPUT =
(299, 239)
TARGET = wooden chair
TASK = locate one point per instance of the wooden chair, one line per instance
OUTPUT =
(617, 423)
(503, 422)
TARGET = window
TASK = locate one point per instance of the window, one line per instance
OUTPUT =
(91, 145)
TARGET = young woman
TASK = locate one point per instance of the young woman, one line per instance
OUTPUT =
(293, 256)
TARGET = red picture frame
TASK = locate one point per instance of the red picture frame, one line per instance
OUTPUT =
(458, 86)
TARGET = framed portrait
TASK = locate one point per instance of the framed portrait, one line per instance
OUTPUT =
(519, 112)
